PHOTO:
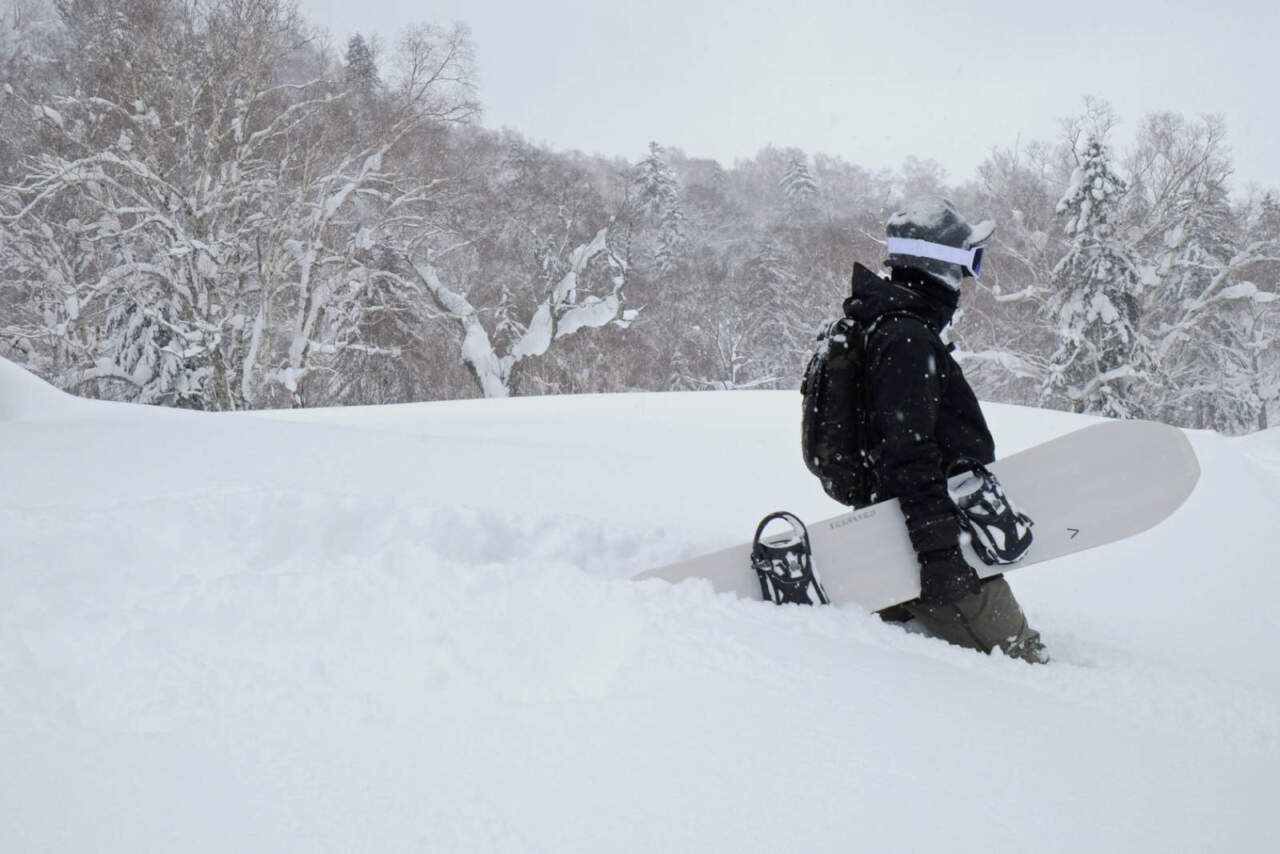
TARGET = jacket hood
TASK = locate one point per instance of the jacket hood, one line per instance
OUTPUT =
(872, 296)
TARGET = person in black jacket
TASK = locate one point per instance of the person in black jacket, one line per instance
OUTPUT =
(924, 416)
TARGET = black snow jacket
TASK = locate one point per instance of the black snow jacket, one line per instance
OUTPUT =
(924, 416)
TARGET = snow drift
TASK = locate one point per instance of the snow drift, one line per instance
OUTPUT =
(410, 628)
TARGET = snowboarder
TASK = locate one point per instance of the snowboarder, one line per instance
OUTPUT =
(924, 416)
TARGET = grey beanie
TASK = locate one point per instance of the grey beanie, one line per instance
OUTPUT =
(936, 221)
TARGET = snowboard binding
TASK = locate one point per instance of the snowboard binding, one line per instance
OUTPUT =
(784, 564)
(1000, 535)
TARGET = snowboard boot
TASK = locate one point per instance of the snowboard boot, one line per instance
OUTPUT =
(989, 619)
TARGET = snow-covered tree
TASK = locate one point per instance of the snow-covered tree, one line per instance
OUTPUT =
(1261, 333)
(361, 68)
(1198, 302)
(919, 178)
(1102, 355)
(189, 226)
(1002, 333)
(659, 192)
(364, 198)
(199, 209)
(19, 19)
(738, 322)
(527, 255)
(568, 306)
(1259, 306)
(799, 189)
(1202, 365)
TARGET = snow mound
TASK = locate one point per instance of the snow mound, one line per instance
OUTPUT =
(25, 396)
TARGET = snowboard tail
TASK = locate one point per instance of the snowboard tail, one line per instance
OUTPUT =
(1094, 486)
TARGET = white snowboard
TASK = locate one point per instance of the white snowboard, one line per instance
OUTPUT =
(1094, 486)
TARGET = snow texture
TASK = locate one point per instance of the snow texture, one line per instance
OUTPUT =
(409, 628)
(932, 214)
(23, 395)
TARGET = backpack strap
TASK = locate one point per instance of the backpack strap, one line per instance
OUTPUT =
(874, 327)
(889, 315)
(870, 332)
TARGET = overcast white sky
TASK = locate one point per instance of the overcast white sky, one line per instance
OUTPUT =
(870, 80)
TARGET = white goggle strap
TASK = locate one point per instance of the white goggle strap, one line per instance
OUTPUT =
(967, 258)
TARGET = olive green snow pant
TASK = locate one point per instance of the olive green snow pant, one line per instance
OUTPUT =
(986, 620)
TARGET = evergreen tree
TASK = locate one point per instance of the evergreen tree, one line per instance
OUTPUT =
(139, 341)
(361, 68)
(659, 194)
(1101, 355)
(799, 189)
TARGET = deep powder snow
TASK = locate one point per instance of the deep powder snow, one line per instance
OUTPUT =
(409, 628)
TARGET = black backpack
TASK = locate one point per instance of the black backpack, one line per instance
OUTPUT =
(835, 429)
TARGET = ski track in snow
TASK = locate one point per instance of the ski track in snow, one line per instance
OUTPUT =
(410, 629)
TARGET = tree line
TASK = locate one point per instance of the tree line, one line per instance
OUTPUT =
(202, 205)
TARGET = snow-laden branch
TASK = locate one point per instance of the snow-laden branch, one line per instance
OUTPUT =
(1219, 291)
(101, 371)
(560, 314)
(1099, 381)
(1031, 291)
(477, 348)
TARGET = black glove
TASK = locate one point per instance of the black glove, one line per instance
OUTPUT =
(946, 577)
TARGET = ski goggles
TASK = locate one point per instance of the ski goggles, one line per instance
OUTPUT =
(970, 259)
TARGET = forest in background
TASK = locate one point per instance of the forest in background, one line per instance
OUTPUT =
(204, 205)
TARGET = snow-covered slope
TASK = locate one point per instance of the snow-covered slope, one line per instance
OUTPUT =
(409, 629)
(23, 395)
